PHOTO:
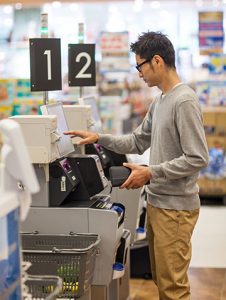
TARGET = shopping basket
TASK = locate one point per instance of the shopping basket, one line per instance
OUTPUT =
(71, 257)
(42, 287)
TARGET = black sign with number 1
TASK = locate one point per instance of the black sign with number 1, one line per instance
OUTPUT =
(81, 65)
(45, 64)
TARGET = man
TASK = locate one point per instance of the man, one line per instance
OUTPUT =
(173, 130)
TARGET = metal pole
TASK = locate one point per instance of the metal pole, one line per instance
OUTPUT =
(44, 34)
(81, 41)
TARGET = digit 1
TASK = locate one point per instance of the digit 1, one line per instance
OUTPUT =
(48, 53)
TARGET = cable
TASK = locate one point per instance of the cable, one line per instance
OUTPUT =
(110, 189)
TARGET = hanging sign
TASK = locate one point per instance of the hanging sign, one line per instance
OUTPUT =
(81, 65)
(45, 64)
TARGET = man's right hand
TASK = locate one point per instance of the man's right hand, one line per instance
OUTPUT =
(87, 137)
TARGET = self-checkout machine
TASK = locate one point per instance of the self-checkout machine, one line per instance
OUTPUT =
(65, 203)
(129, 198)
(85, 116)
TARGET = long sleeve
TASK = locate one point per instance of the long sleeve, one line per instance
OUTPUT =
(188, 121)
(136, 142)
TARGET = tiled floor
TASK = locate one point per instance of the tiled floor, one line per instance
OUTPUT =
(206, 284)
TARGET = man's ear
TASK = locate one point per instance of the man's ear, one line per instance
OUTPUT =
(158, 59)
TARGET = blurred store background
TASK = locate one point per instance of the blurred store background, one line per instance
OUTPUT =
(196, 29)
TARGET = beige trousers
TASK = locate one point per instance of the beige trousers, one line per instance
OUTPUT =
(169, 234)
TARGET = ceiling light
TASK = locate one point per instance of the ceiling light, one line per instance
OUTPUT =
(7, 9)
(56, 4)
(18, 6)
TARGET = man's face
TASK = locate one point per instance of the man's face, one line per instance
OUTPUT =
(149, 71)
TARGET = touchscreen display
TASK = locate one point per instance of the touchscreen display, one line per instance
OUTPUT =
(91, 100)
(65, 145)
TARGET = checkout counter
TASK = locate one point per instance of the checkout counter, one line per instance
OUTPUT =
(69, 199)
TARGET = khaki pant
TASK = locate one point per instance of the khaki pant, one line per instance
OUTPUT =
(169, 234)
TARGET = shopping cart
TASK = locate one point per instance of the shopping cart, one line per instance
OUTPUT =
(71, 257)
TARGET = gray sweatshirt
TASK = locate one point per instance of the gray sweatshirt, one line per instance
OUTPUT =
(173, 129)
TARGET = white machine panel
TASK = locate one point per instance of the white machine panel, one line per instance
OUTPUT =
(95, 116)
(40, 134)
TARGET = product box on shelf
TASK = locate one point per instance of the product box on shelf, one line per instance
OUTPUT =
(212, 187)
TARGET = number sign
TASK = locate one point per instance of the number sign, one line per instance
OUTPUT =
(81, 65)
(45, 64)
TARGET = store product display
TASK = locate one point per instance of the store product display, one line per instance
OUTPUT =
(217, 164)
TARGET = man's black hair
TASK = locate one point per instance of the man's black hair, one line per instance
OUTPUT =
(151, 43)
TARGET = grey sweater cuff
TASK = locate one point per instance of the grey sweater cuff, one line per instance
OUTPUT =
(156, 171)
(103, 138)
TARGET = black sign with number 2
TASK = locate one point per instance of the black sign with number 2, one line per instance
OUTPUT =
(81, 65)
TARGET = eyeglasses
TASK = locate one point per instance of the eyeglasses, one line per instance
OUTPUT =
(138, 67)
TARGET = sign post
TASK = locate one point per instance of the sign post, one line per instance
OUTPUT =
(81, 63)
(44, 34)
(45, 62)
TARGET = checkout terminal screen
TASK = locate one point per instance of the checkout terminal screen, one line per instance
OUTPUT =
(64, 145)
(91, 100)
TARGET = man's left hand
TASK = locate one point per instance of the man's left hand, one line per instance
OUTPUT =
(139, 176)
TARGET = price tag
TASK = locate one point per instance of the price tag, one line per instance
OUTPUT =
(81, 65)
(45, 64)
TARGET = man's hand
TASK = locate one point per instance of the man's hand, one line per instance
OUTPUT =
(139, 176)
(87, 137)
